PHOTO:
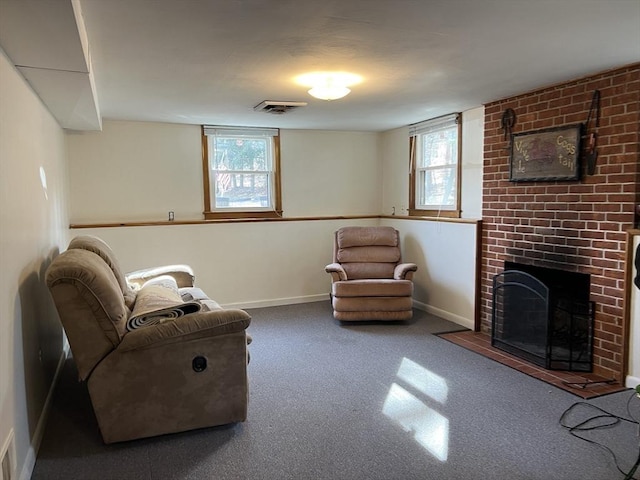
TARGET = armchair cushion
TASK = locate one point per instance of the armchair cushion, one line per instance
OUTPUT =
(372, 304)
(366, 236)
(357, 271)
(370, 254)
(372, 288)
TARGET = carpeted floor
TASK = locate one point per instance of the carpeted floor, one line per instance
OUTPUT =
(362, 401)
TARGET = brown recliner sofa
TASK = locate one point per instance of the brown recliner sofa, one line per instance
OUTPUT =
(173, 370)
(369, 279)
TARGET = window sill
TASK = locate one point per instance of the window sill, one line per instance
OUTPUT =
(221, 215)
(434, 213)
(278, 219)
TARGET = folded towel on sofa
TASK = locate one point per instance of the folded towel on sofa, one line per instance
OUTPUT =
(158, 301)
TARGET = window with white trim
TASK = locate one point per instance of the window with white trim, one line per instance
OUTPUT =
(241, 172)
(434, 148)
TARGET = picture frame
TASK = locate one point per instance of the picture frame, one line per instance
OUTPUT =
(548, 154)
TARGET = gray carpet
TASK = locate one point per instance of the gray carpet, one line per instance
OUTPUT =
(362, 401)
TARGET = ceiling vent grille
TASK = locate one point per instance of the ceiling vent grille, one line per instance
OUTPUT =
(278, 108)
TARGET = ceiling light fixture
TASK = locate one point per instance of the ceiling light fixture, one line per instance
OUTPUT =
(329, 85)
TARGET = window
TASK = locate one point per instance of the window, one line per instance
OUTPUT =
(241, 172)
(434, 149)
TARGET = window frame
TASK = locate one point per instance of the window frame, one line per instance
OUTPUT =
(414, 136)
(211, 213)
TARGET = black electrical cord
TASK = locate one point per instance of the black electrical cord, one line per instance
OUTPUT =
(629, 475)
(631, 472)
(609, 420)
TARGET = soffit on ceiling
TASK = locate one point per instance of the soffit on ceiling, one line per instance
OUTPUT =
(199, 62)
(46, 42)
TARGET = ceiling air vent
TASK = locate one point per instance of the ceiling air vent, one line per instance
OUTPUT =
(276, 107)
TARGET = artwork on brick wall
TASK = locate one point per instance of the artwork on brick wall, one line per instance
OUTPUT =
(547, 154)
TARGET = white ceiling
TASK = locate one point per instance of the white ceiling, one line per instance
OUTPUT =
(211, 62)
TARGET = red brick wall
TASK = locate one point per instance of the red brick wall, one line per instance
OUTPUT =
(572, 225)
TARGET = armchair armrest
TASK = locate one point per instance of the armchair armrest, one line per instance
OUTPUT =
(336, 271)
(195, 326)
(183, 275)
(404, 271)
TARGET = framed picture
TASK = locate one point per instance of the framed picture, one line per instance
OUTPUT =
(546, 155)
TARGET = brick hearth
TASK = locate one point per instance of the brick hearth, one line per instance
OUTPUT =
(577, 226)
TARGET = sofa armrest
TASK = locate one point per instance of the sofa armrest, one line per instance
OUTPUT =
(336, 271)
(183, 275)
(190, 327)
(404, 271)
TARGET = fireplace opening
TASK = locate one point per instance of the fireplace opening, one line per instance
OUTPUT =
(543, 316)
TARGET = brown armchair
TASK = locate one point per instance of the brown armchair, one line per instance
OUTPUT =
(169, 375)
(369, 280)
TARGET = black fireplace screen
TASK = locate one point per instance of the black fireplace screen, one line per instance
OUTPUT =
(540, 324)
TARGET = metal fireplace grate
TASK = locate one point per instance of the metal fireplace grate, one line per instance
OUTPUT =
(532, 322)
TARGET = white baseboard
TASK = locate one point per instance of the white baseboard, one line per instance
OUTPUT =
(632, 382)
(36, 440)
(276, 302)
(452, 317)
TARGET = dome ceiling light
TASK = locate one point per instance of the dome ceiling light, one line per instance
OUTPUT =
(329, 85)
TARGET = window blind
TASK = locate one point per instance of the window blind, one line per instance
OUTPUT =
(434, 125)
(240, 131)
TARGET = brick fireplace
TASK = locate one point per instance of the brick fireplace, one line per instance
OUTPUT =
(576, 226)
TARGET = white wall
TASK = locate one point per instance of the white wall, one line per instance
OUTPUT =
(139, 171)
(135, 171)
(472, 161)
(394, 151)
(288, 265)
(446, 257)
(115, 176)
(33, 228)
(324, 173)
(330, 173)
(240, 264)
